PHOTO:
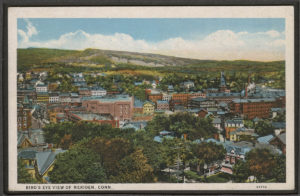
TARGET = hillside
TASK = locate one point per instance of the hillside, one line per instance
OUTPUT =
(42, 57)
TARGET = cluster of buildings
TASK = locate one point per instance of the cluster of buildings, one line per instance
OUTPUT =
(40, 102)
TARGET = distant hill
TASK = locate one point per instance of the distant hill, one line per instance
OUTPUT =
(39, 57)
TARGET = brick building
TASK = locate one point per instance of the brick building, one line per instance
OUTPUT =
(251, 108)
(182, 97)
(23, 118)
(120, 107)
(162, 105)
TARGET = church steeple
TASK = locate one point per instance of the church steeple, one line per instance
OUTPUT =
(222, 82)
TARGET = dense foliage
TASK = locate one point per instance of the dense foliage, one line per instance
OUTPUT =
(262, 164)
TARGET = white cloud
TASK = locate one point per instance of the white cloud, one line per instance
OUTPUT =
(271, 33)
(31, 30)
(219, 45)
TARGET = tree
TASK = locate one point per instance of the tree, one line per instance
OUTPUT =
(134, 169)
(279, 171)
(207, 153)
(78, 165)
(264, 128)
(240, 171)
(23, 175)
(261, 163)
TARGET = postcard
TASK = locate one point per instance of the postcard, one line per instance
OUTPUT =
(151, 98)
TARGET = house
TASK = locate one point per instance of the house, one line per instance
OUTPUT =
(64, 98)
(187, 85)
(41, 88)
(280, 142)
(75, 98)
(265, 139)
(232, 125)
(153, 95)
(138, 106)
(31, 138)
(162, 105)
(166, 97)
(276, 111)
(84, 91)
(217, 123)
(97, 91)
(235, 136)
(44, 163)
(42, 97)
(28, 157)
(148, 107)
(279, 127)
(53, 97)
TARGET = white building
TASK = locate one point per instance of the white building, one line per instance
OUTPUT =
(65, 98)
(166, 97)
(54, 98)
(98, 91)
(41, 88)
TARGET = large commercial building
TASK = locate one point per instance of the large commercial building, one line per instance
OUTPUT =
(251, 108)
(120, 107)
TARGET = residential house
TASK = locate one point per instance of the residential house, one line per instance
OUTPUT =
(279, 127)
(148, 107)
(45, 163)
(97, 91)
(217, 123)
(64, 98)
(41, 88)
(265, 139)
(280, 142)
(138, 106)
(232, 125)
(28, 158)
(236, 135)
(42, 97)
(84, 91)
(53, 97)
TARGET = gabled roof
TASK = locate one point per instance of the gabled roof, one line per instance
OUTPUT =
(265, 139)
(46, 159)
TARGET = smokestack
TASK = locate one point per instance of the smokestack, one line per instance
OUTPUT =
(246, 91)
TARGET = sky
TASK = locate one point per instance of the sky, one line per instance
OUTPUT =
(200, 38)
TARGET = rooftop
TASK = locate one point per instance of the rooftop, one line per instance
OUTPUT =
(91, 116)
(108, 98)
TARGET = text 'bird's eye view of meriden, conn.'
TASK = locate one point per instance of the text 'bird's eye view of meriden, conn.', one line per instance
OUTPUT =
(151, 100)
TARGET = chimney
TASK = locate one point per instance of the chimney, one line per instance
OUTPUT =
(246, 92)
